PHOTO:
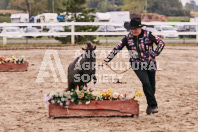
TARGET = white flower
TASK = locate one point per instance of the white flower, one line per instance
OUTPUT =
(87, 102)
(121, 95)
(115, 95)
(61, 104)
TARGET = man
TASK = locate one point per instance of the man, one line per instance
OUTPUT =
(139, 43)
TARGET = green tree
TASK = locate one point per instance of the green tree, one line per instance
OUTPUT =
(33, 7)
(134, 6)
(189, 7)
(56, 6)
(163, 7)
(4, 4)
(105, 5)
(76, 11)
(166, 7)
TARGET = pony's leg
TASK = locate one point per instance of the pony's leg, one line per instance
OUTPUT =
(94, 82)
(70, 87)
(85, 87)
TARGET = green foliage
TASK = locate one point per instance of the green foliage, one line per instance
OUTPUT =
(34, 7)
(163, 7)
(105, 5)
(134, 6)
(5, 18)
(76, 11)
(178, 20)
(166, 7)
(57, 4)
(189, 7)
(4, 4)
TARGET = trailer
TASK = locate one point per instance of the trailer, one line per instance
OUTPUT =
(46, 18)
(115, 16)
(119, 16)
(19, 18)
(102, 17)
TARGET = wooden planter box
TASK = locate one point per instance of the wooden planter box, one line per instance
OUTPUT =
(8, 67)
(96, 108)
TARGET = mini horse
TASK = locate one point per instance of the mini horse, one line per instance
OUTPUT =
(82, 70)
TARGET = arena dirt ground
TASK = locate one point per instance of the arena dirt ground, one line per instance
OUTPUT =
(23, 109)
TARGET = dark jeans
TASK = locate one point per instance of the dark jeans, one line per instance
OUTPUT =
(147, 79)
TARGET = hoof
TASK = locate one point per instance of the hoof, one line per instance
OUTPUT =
(91, 90)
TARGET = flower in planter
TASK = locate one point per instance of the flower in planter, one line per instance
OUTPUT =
(137, 94)
(61, 95)
(62, 99)
(115, 95)
(105, 95)
(52, 101)
(61, 104)
(12, 59)
(65, 98)
(2, 60)
(120, 96)
(21, 59)
(81, 96)
(47, 98)
(7, 60)
(56, 95)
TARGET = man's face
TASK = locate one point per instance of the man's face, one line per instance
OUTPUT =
(136, 31)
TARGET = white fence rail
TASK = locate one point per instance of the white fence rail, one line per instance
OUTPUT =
(4, 34)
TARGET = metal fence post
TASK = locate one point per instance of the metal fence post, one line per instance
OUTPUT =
(4, 32)
(72, 36)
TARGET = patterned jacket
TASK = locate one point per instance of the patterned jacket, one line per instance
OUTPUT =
(139, 47)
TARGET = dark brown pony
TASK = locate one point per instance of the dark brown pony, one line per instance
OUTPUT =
(82, 70)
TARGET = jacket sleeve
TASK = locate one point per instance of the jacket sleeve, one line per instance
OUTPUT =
(160, 45)
(116, 49)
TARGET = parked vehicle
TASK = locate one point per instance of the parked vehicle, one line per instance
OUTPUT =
(102, 17)
(32, 30)
(167, 29)
(40, 28)
(106, 28)
(46, 18)
(120, 28)
(119, 16)
(15, 31)
(19, 18)
(55, 30)
(186, 28)
(153, 30)
(114, 16)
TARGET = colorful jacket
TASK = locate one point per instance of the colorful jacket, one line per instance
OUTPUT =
(139, 47)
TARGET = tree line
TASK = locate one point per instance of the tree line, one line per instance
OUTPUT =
(163, 7)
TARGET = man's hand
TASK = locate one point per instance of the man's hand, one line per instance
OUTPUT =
(150, 58)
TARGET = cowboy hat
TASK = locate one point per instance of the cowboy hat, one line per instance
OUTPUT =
(135, 23)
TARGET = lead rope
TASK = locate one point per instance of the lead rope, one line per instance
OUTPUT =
(118, 81)
(119, 72)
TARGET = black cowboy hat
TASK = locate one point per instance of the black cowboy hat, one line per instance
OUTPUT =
(135, 23)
